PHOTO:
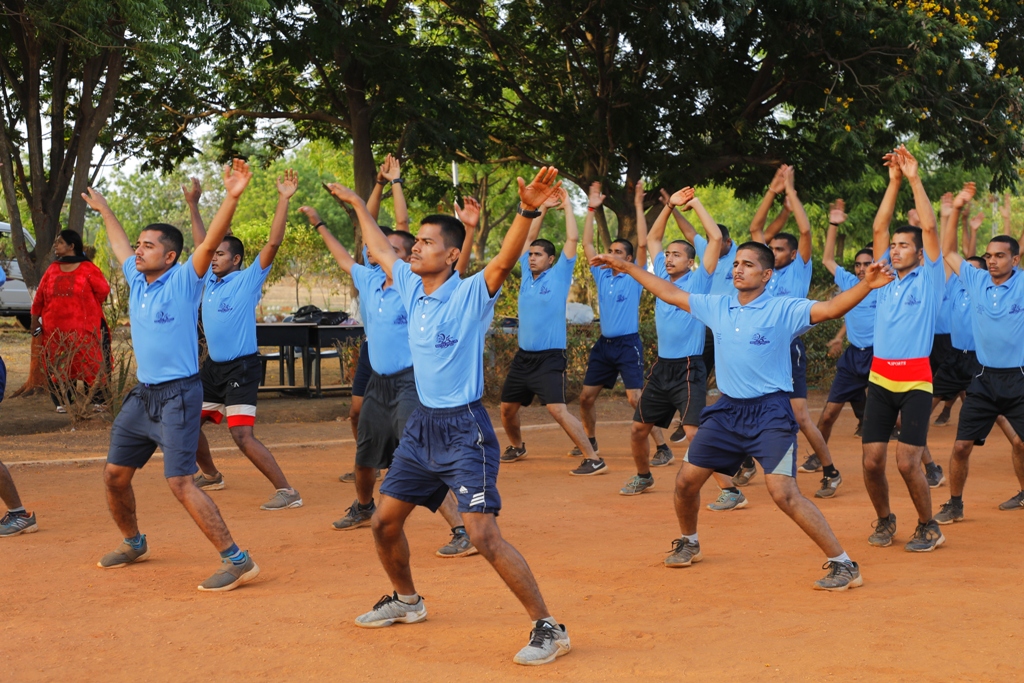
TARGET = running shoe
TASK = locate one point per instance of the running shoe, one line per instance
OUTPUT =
(943, 419)
(62, 410)
(547, 642)
(350, 477)
(841, 575)
(811, 464)
(282, 500)
(829, 485)
(927, 537)
(1015, 503)
(679, 435)
(230, 575)
(512, 453)
(743, 477)
(859, 431)
(590, 466)
(885, 529)
(459, 546)
(125, 554)
(933, 473)
(637, 485)
(215, 483)
(390, 610)
(577, 453)
(727, 500)
(17, 523)
(355, 517)
(950, 512)
(684, 553)
(663, 456)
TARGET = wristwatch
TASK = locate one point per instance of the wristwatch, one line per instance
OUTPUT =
(527, 213)
(398, 181)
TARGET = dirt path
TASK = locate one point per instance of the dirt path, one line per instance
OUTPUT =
(746, 612)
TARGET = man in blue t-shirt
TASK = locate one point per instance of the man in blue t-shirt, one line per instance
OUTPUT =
(448, 443)
(231, 375)
(163, 410)
(17, 520)
(538, 368)
(753, 331)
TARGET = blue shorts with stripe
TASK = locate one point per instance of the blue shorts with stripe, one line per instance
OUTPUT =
(446, 449)
(733, 428)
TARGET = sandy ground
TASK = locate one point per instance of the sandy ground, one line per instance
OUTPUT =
(746, 612)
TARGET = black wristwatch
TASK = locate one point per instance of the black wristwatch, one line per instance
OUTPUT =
(527, 213)
(398, 181)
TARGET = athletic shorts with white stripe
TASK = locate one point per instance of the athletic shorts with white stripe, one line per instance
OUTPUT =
(230, 388)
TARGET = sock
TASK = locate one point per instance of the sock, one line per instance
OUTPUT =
(959, 500)
(692, 538)
(830, 471)
(840, 558)
(409, 599)
(136, 541)
(731, 489)
(645, 476)
(17, 511)
(459, 529)
(748, 463)
(233, 554)
(593, 440)
(546, 622)
(367, 506)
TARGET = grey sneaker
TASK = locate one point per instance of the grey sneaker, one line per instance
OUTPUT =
(355, 517)
(933, 473)
(927, 537)
(743, 477)
(590, 466)
(546, 643)
(459, 546)
(727, 500)
(679, 435)
(125, 554)
(512, 453)
(282, 500)
(389, 610)
(841, 575)
(230, 575)
(1015, 503)
(350, 477)
(637, 485)
(208, 483)
(885, 529)
(811, 464)
(577, 453)
(950, 512)
(683, 553)
(829, 485)
(16, 524)
(662, 457)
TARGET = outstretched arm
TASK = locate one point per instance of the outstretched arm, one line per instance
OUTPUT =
(880, 228)
(594, 201)
(373, 201)
(908, 165)
(337, 249)
(775, 188)
(974, 224)
(657, 233)
(878, 275)
(714, 248)
(119, 242)
(394, 174)
(470, 217)
(779, 222)
(550, 203)
(663, 289)
(572, 232)
(193, 192)
(376, 243)
(836, 217)
(949, 252)
(286, 187)
(236, 178)
(801, 216)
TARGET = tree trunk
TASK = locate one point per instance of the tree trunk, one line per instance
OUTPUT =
(36, 381)
(840, 247)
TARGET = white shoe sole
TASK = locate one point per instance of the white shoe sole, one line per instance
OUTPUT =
(562, 650)
(141, 558)
(738, 506)
(693, 560)
(856, 583)
(293, 504)
(27, 530)
(243, 579)
(409, 618)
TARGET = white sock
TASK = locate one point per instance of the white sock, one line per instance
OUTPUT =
(692, 538)
(409, 599)
(841, 558)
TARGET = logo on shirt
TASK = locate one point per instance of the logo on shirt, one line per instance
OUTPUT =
(444, 341)
(759, 340)
(544, 290)
(912, 301)
(162, 317)
(782, 291)
(1015, 309)
(979, 308)
(224, 307)
(620, 298)
(401, 319)
(873, 304)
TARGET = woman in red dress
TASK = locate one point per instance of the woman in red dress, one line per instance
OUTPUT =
(68, 311)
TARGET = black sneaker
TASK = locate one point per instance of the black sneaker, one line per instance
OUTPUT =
(1015, 503)
(590, 466)
(577, 453)
(927, 537)
(950, 512)
(355, 517)
(512, 453)
(859, 431)
(679, 435)
(743, 477)
(662, 457)
(933, 473)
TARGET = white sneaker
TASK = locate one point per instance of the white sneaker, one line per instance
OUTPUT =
(390, 610)
(61, 409)
(546, 643)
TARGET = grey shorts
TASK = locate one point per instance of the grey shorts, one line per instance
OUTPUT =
(165, 415)
(387, 404)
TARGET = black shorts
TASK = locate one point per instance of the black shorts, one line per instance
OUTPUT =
(942, 349)
(852, 372)
(165, 415)
(387, 404)
(230, 388)
(535, 373)
(993, 392)
(363, 371)
(798, 357)
(614, 356)
(914, 408)
(673, 384)
(709, 350)
(955, 374)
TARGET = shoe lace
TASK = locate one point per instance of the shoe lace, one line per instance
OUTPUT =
(678, 545)
(385, 600)
(540, 634)
(455, 537)
(6, 519)
(924, 532)
(835, 567)
(886, 524)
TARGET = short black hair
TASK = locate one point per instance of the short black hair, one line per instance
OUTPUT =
(866, 250)
(169, 235)
(911, 230)
(408, 239)
(235, 247)
(453, 232)
(725, 232)
(1014, 245)
(547, 246)
(687, 247)
(73, 240)
(765, 256)
(979, 261)
(626, 243)
(791, 240)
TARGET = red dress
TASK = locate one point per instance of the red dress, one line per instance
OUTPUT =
(71, 308)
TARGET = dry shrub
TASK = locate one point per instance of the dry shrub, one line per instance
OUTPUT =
(114, 379)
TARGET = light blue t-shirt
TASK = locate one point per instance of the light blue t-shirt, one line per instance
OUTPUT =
(998, 318)
(679, 333)
(542, 304)
(906, 312)
(752, 355)
(961, 334)
(164, 319)
(446, 335)
(793, 280)
(618, 296)
(721, 281)
(384, 321)
(3, 277)
(860, 321)
(943, 321)
(229, 311)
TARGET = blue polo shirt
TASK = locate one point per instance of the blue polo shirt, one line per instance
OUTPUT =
(721, 281)
(860, 321)
(446, 335)
(3, 277)
(164, 319)
(943, 321)
(752, 355)
(679, 333)
(793, 280)
(906, 312)
(229, 311)
(542, 304)
(618, 297)
(384, 321)
(961, 334)
(998, 319)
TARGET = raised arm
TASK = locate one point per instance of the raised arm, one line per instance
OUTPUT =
(714, 249)
(337, 249)
(594, 202)
(236, 178)
(376, 243)
(908, 164)
(394, 174)
(971, 249)
(804, 225)
(119, 242)
(641, 223)
(775, 188)
(953, 259)
(663, 289)
(689, 232)
(945, 211)
(836, 217)
(880, 228)
(373, 201)
(779, 222)
(572, 232)
(657, 233)
(470, 217)
(193, 192)
(287, 184)
(877, 275)
(530, 197)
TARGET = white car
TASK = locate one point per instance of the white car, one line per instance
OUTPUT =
(15, 299)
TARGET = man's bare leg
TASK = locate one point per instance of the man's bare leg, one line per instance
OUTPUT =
(908, 459)
(203, 456)
(687, 496)
(572, 427)
(810, 431)
(588, 412)
(202, 510)
(806, 514)
(392, 546)
(8, 492)
(510, 422)
(827, 419)
(875, 481)
(259, 455)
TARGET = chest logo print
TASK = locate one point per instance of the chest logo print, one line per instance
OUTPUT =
(401, 319)
(544, 290)
(782, 292)
(162, 317)
(759, 340)
(224, 307)
(912, 301)
(1014, 309)
(620, 298)
(444, 341)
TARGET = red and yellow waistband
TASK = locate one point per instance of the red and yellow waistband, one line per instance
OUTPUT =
(899, 376)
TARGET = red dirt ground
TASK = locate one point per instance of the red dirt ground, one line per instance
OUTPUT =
(746, 612)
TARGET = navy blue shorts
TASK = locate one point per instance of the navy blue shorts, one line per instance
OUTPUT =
(852, 371)
(614, 356)
(363, 371)
(3, 378)
(165, 415)
(798, 358)
(731, 429)
(446, 449)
